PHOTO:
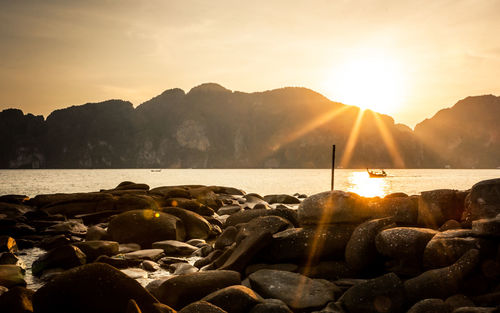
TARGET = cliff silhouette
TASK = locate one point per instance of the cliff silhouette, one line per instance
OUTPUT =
(213, 127)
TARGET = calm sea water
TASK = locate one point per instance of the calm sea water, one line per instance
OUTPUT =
(262, 181)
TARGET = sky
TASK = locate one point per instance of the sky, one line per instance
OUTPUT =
(408, 59)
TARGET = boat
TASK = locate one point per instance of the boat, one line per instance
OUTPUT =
(156, 171)
(374, 174)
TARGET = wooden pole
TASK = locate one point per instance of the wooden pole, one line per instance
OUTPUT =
(333, 164)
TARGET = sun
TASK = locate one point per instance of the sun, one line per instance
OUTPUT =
(374, 82)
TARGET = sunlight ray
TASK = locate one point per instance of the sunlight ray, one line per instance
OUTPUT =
(353, 138)
(389, 142)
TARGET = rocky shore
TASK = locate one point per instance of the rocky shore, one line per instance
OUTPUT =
(216, 249)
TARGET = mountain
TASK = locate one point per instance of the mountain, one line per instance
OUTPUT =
(213, 127)
(466, 135)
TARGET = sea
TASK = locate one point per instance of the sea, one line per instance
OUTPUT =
(261, 181)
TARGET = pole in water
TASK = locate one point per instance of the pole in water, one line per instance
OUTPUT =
(333, 164)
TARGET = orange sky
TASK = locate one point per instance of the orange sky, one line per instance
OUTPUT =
(422, 55)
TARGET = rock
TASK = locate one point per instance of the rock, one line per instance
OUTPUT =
(118, 261)
(206, 196)
(403, 210)
(201, 307)
(181, 290)
(11, 258)
(271, 306)
(170, 192)
(196, 226)
(150, 266)
(331, 270)
(135, 273)
(17, 300)
(449, 225)
(381, 294)
(437, 206)
(487, 300)
(145, 254)
(95, 287)
(11, 275)
(229, 209)
(8, 244)
(132, 202)
(127, 185)
(430, 306)
(234, 299)
(66, 257)
(297, 291)
(182, 268)
(174, 247)
(15, 199)
(145, 227)
(190, 205)
(333, 207)
(482, 202)
(441, 283)
(473, 309)
(227, 238)
(102, 216)
(487, 226)
(128, 247)
(72, 227)
(132, 307)
(95, 248)
(360, 251)
(313, 243)
(447, 247)
(270, 224)
(458, 301)
(47, 200)
(197, 242)
(96, 233)
(288, 267)
(54, 242)
(248, 215)
(285, 199)
(404, 243)
(227, 190)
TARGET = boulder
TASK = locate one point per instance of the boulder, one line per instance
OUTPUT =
(271, 306)
(196, 226)
(190, 205)
(403, 210)
(430, 306)
(128, 185)
(248, 215)
(234, 299)
(201, 307)
(487, 226)
(71, 227)
(331, 270)
(182, 268)
(130, 202)
(309, 243)
(174, 247)
(437, 206)
(95, 287)
(170, 192)
(95, 248)
(145, 227)
(95, 232)
(179, 291)
(447, 247)
(227, 238)
(360, 251)
(282, 198)
(381, 294)
(145, 254)
(404, 243)
(229, 209)
(47, 200)
(65, 257)
(482, 202)
(11, 275)
(205, 196)
(297, 291)
(17, 300)
(11, 258)
(441, 283)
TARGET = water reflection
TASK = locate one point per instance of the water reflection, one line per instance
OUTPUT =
(363, 185)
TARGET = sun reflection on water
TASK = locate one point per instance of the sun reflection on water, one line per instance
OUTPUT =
(363, 185)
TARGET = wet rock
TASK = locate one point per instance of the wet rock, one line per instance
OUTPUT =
(360, 251)
(132, 307)
(190, 205)
(8, 244)
(11, 258)
(128, 247)
(145, 227)
(150, 266)
(11, 275)
(95, 287)
(491, 299)
(61, 257)
(285, 199)
(54, 242)
(474, 309)
(135, 273)
(196, 226)
(201, 306)
(205, 196)
(447, 247)
(43, 201)
(458, 301)
(174, 247)
(482, 202)
(403, 210)
(131, 202)
(406, 244)
(17, 300)
(118, 261)
(271, 306)
(227, 190)
(234, 299)
(182, 268)
(102, 216)
(145, 254)
(197, 242)
(441, 283)
(95, 248)
(181, 290)
(297, 291)
(14, 199)
(227, 238)
(248, 215)
(170, 192)
(95, 232)
(437, 206)
(288, 267)
(381, 294)
(128, 185)
(449, 225)
(229, 209)
(430, 306)
(331, 270)
(487, 226)
(310, 242)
